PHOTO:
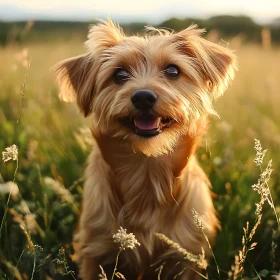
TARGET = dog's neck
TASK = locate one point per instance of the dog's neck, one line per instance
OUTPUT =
(142, 182)
(121, 158)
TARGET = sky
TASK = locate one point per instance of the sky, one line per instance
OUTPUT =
(153, 11)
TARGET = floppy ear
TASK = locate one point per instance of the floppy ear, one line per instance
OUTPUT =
(76, 77)
(217, 64)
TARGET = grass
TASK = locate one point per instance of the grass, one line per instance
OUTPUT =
(53, 144)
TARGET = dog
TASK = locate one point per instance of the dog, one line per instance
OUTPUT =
(149, 98)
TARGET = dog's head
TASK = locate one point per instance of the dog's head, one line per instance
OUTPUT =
(146, 90)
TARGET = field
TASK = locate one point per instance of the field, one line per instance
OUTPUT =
(53, 142)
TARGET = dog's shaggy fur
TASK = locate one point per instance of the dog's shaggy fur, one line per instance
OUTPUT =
(142, 173)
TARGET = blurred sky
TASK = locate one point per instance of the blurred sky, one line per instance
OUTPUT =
(153, 11)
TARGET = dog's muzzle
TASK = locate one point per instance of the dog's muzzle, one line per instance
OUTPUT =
(146, 123)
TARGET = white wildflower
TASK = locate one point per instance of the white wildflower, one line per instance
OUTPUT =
(125, 240)
(258, 146)
(260, 153)
(11, 153)
(259, 157)
(262, 188)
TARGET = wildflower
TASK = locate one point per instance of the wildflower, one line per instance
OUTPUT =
(196, 219)
(258, 146)
(11, 153)
(263, 189)
(125, 240)
(260, 153)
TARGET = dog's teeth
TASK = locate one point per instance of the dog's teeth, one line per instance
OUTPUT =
(158, 121)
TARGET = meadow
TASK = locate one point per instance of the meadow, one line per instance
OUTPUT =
(53, 139)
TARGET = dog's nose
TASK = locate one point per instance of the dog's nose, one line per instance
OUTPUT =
(143, 99)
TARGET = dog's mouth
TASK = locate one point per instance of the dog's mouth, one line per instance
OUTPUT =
(147, 125)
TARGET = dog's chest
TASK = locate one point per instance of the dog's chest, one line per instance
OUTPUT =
(145, 189)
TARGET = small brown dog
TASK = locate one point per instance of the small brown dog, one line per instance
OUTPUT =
(149, 98)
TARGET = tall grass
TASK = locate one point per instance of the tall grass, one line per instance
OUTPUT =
(53, 142)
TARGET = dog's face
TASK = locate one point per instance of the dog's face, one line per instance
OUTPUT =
(146, 90)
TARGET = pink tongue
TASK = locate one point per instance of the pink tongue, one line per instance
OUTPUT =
(146, 123)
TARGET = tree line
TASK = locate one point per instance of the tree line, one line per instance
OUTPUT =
(48, 31)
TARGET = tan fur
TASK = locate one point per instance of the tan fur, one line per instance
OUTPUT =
(145, 185)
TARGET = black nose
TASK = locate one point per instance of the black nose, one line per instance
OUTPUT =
(143, 99)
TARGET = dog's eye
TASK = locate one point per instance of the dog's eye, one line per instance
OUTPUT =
(120, 76)
(172, 71)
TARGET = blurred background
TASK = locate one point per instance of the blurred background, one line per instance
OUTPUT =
(61, 20)
(40, 193)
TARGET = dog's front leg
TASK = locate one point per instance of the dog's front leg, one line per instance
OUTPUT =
(89, 269)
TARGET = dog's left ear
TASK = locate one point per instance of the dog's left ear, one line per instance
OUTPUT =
(76, 77)
(218, 64)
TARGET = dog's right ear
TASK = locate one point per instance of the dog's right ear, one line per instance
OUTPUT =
(76, 77)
